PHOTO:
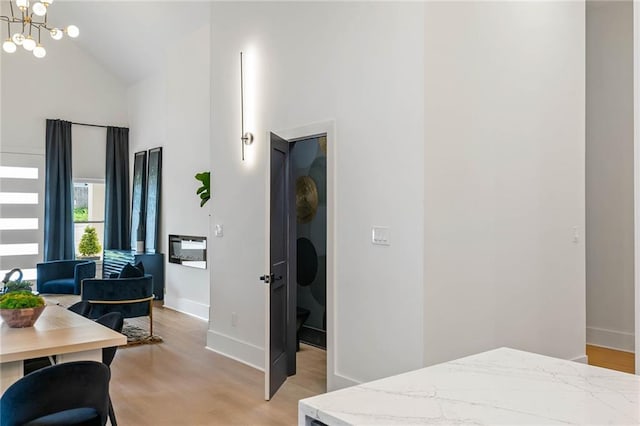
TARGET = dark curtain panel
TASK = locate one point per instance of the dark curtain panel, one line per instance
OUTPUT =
(116, 212)
(58, 198)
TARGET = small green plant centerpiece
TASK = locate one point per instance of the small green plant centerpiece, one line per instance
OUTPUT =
(21, 308)
(89, 243)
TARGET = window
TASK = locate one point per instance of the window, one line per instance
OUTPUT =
(18, 198)
(20, 213)
(88, 211)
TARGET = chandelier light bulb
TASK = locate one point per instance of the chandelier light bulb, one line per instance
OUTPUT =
(39, 52)
(29, 43)
(56, 33)
(39, 9)
(9, 46)
(73, 31)
(18, 38)
(22, 4)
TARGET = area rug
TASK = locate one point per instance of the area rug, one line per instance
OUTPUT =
(135, 335)
(139, 336)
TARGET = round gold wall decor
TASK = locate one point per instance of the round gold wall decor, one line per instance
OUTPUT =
(306, 199)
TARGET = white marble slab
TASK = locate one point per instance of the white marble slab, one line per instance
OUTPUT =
(503, 386)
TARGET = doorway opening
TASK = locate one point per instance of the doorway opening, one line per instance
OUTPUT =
(308, 159)
(309, 176)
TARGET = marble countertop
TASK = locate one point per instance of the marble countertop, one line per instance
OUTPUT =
(502, 386)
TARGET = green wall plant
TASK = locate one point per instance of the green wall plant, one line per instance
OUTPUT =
(205, 190)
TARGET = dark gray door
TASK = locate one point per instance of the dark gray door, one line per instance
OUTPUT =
(279, 340)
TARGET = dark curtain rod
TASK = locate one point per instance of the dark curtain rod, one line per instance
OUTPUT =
(96, 125)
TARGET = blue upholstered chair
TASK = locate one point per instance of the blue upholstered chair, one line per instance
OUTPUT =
(63, 276)
(64, 394)
(132, 297)
(82, 308)
(115, 322)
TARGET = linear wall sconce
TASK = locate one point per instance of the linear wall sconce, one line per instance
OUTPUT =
(247, 137)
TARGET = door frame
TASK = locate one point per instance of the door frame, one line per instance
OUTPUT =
(327, 128)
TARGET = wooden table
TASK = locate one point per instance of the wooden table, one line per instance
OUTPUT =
(59, 332)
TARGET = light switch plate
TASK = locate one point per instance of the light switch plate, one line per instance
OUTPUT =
(380, 235)
(219, 231)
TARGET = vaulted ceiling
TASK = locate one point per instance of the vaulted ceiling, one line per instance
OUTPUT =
(128, 37)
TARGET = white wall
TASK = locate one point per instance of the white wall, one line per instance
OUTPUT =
(360, 64)
(504, 178)
(147, 108)
(171, 108)
(610, 255)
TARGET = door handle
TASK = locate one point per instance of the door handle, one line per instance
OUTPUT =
(267, 278)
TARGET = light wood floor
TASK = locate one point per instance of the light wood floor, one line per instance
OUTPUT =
(612, 359)
(179, 382)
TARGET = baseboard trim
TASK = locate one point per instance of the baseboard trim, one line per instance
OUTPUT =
(313, 336)
(611, 339)
(338, 381)
(607, 347)
(237, 350)
(583, 359)
(189, 307)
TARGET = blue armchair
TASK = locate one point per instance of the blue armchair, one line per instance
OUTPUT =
(132, 297)
(63, 276)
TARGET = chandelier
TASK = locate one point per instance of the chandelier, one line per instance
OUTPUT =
(26, 25)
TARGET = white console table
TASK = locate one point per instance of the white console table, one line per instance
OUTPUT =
(502, 386)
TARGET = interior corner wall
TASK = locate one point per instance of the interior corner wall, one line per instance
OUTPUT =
(504, 261)
(361, 65)
(610, 187)
(171, 109)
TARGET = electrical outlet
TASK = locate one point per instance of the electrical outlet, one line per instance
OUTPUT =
(234, 319)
